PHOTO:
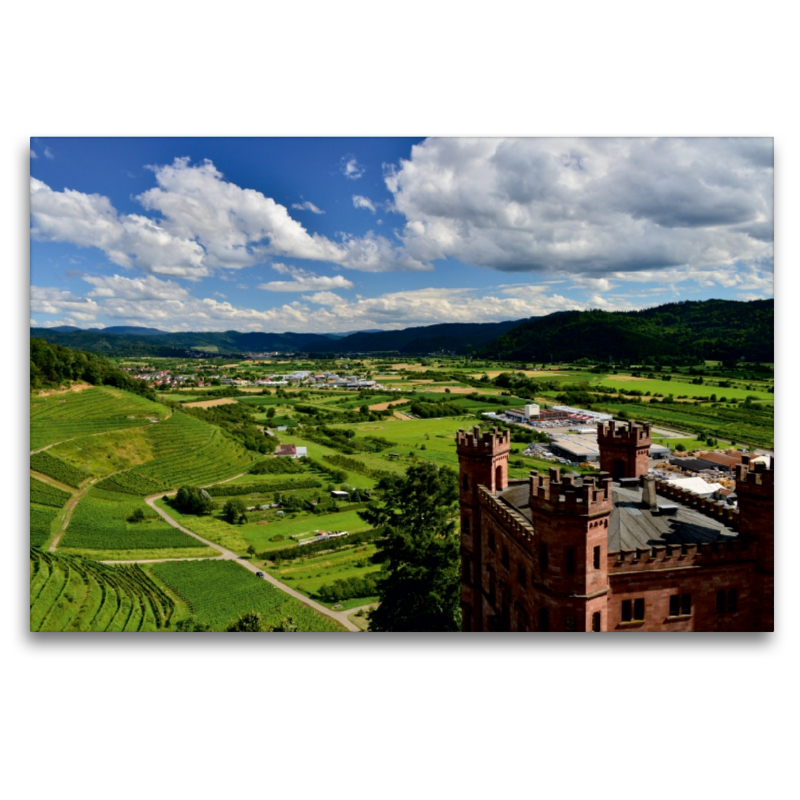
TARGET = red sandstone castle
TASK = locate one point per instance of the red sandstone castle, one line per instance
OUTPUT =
(564, 553)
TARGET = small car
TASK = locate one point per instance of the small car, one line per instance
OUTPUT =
(259, 574)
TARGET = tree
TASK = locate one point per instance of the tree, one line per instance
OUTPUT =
(137, 516)
(286, 625)
(419, 586)
(190, 500)
(233, 510)
(249, 622)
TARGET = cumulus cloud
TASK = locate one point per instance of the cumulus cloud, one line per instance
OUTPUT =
(350, 167)
(307, 206)
(304, 281)
(33, 153)
(48, 153)
(359, 201)
(202, 224)
(590, 207)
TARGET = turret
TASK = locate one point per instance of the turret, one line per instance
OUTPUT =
(624, 451)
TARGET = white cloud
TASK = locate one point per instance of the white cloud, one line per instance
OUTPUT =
(48, 153)
(204, 224)
(359, 201)
(304, 281)
(350, 167)
(33, 153)
(324, 299)
(307, 206)
(591, 207)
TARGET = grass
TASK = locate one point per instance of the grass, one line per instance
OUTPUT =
(110, 452)
(681, 387)
(262, 537)
(219, 591)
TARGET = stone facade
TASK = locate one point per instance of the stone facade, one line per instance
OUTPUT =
(535, 554)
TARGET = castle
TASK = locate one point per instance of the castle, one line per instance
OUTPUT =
(560, 552)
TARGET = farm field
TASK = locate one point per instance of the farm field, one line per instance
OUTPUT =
(46, 464)
(58, 417)
(99, 455)
(217, 592)
(46, 495)
(685, 387)
(41, 520)
(69, 593)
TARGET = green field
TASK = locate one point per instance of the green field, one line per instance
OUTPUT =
(46, 495)
(41, 520)
(68, 415)
(684, 387)
(102, 454)
(219, 591)
(46, 464)
(69, 593)
(99, 522)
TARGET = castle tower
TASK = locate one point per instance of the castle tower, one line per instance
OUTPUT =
(570, 523)
(482, 461)
(624, 451)
(755, 488)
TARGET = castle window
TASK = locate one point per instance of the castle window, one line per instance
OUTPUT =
(544, 619)
(570, 560)
(627, 610)
(638, 608)
(569, 623)
(732, 600)
(596, 557)
(543, 557)
(465, 526)
(686, 604)
(633, 610)
(675, 605)
(491, 540)
(596, 622)
(505, 557)
(522, 576)
(465, 483)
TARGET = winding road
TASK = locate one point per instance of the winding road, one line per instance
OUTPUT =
(228, 555)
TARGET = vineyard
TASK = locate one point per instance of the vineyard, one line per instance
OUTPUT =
(100, 522)
(47, 495)
(231, 489)
(65, 416)
(188, 451)
(40, 524)
(219, 591)
(57, 469)
(69, 593)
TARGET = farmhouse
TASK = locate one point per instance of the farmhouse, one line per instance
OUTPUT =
(560, 552)
(290, 450)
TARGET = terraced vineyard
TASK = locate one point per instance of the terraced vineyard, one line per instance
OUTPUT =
(46, 495)
(188, 451)
(41, 517)
(69, 593)
(99, 522)
(55, 468)
(65, 416)
(219, 591)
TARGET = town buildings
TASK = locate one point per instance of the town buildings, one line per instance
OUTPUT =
(560, 552)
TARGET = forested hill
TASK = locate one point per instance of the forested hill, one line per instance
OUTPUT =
(53, 365)
(712, 329)
(457, 337)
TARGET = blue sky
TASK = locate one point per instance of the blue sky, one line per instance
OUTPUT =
(333, 234)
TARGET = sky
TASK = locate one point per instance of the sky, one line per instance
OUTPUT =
(345, 234)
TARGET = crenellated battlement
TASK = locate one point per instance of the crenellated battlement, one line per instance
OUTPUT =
(553, 493)
(491, 442)
(674, 556)
(718, 509)
(631, 434)
(511, 521)
(758, 478)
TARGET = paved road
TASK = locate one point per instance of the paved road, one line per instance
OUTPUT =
(229, 555)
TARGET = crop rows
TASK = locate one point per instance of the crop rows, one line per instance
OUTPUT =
(99, 522)
(97, 410)
(231, 489)
(131, 483)
(58, 469)
(69, 593)
(40, 524)
(190, 451)
(47, 495)
(219, 591)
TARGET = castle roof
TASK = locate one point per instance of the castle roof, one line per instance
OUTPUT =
(632, 526)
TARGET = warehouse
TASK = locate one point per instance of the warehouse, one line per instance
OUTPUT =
(576, 450)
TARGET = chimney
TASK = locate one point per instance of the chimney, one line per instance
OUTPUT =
(649, 492)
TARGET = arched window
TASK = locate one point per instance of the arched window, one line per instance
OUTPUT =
(465, 482)
(498, 478)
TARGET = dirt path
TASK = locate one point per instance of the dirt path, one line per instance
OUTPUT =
(40, 476)
(229, 555)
